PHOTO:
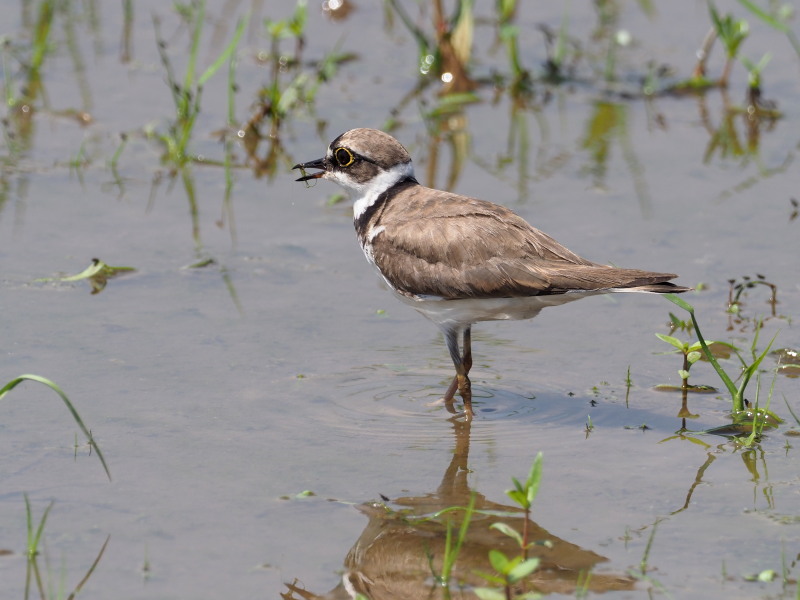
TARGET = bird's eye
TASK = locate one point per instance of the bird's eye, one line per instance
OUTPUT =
(344, 157)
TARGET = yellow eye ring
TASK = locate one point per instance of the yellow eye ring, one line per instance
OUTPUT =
(344, 157)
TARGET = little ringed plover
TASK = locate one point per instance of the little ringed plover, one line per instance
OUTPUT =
(455, 259)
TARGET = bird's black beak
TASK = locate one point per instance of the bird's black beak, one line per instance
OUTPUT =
(314, 164)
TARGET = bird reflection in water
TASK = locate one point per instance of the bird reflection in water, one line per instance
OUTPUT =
(402, 546)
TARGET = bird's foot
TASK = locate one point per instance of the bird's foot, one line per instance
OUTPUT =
(461, 384)
(465, 389)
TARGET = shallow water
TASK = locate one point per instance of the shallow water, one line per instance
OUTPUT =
(213, 416)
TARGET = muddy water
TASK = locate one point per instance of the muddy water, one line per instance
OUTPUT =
(218, 394)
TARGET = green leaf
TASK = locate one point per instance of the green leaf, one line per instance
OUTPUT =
(767, 575)
(517, 496)
(508, 530)
(523, 569)
(508, 32)
(489, 593)
(671, 340)
(490, 577)
(499, 561)
(750, 370)
(764, 16)
(680, 302)
(534, 477)
(297, 23)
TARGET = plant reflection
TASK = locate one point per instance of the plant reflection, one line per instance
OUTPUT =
(725, 139)
(754, 460)
(404, 543)
(607, 124)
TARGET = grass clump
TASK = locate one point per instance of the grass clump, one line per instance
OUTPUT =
(452, 545)
(186, 94)
(33, 573)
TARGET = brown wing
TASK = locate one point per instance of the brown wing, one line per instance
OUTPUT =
(476, 249)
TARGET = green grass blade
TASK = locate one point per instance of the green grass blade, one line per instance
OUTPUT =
(34, 537)
(232, 63)
(226, 54)
(28, 521)
(715, 19)
(42, 33)
(791, 412)
(753, 368)
(83, 581)
(34, 548)
(764, 16)
(680, 302)
(450, 556)
(423, 44)
(197, 29)
(15, 382)
(452, 550)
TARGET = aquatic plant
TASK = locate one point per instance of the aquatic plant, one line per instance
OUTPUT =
(731, 32)
(452, 546)
(32, 553)
(291, 89)
(642, 572)
(32, 64)
(748, 370)
(186, 95)
(512, 570)
(524, 494)
(97, 274)
(777, 17)
(691, 352)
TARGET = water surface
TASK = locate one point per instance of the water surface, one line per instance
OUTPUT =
(220, 393)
